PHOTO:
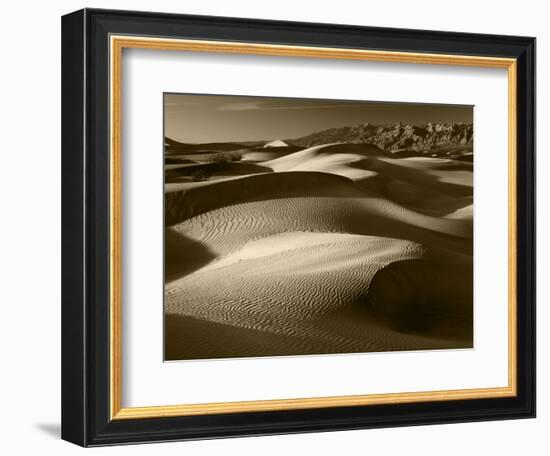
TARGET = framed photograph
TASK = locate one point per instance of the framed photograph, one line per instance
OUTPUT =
(278, 227)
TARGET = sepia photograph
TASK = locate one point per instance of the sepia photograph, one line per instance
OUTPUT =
(268, 227)
(308, 226)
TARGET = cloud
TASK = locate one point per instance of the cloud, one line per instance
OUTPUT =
(177, 107)
(262, 106)
(180, 104)
(247, 106)
(178, 111)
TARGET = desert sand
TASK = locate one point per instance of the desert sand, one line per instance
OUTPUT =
(335, 248)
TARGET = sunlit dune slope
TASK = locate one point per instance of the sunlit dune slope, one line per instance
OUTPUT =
(305, 292)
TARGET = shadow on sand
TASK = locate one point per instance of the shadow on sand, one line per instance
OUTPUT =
(183, 255)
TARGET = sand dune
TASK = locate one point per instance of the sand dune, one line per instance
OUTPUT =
(297, 242)
(434, 186)
(319, 304)
(339, 249)
(262, 156)
(271, 153)
(340, 159)
(196, 198)
(443, 176)
(466, 212)
(276, 143)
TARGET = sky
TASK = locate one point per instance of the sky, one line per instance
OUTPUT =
(193, 118)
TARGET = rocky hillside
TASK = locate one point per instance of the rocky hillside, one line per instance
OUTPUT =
(396, 137)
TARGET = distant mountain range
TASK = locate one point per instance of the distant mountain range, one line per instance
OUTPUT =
(437, 139)
(396, 137)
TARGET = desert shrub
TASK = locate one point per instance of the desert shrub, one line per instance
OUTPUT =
(200, 175)
(235, 156)
(226, 157)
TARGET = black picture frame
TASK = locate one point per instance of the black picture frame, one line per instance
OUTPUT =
(86, 417)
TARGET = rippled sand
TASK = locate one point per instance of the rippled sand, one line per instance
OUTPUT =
(338, 250)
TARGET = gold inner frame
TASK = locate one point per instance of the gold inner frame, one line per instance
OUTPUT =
(117, 44)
